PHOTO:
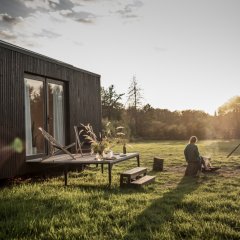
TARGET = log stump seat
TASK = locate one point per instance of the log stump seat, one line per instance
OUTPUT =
(158, 164)
(193, 168)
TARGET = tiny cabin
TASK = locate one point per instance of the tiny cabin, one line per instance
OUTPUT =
(38, 91)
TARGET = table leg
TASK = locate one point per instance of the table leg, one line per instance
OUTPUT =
(138, 161)
(65, 175)
(110, 173)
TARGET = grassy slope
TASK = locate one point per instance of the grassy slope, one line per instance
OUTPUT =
(173, 207)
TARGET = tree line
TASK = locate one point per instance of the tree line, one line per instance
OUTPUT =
(145, 122)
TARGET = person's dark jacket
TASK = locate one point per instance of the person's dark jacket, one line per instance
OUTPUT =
(191, 153)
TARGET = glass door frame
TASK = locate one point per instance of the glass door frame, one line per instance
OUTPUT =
(61, 83)
(45, 81)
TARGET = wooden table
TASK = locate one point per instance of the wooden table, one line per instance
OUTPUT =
(67, 161)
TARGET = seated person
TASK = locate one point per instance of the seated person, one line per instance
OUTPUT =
(192, 157)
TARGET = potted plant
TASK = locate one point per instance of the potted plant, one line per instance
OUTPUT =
(101, 147)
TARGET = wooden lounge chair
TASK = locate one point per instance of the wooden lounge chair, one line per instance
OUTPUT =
(78, 142)
(83, 146)
(55, 145)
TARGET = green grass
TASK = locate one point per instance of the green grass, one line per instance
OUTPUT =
(173, 207)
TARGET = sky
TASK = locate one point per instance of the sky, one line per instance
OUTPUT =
(185, 54)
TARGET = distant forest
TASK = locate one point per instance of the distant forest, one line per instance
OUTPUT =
(146, 122)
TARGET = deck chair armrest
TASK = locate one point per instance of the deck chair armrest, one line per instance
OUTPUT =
(70, 145)
(65, 147)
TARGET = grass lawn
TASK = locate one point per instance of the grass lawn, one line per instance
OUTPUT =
(173, 207)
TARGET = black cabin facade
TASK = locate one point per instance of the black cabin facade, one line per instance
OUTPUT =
(37, 91)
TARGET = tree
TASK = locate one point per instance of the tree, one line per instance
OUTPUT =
(230, 112)
(232, 105)
(134, 103)
(134, 94)
(111, 105)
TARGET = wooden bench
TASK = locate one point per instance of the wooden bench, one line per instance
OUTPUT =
(136, 176)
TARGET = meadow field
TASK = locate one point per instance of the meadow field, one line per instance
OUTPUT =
(174, 207)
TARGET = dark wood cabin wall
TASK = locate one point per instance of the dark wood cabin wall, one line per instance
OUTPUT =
(12, 114)
(84, 103)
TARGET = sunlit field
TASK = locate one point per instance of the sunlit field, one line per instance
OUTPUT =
(174, 207)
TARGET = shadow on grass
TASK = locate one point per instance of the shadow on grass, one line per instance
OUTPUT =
(161, 212)
(113, 189)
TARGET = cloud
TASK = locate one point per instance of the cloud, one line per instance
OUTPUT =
(50, 5)
(66, 12)
(81, 16)
(61, 9)
(29, 30)
(82, 20)
(85, 17)
(33, 21)
(80, 11)
(14, 8)
(17, 38)
(6, 18)
(130, 16)
(128, 10)
(42, 4)
(7, 35)
(36, 21)
(81, 2)
(47, 33)
(7, 24)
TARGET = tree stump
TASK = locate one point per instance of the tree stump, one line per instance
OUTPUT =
(158, 164)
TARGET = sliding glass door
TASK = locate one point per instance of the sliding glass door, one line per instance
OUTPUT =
(56, 110)
(44, 107)
(34, 115)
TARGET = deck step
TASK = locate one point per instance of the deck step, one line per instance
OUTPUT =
(143, 180)
(135, 172)
(131, 175)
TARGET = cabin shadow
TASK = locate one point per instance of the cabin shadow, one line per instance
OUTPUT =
(161, 211)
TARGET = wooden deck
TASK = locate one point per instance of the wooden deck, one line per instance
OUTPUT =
(67, 161)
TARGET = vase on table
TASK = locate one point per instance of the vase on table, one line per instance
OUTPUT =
(99, 156)
(108, 154)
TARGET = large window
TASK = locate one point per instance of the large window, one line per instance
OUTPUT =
(44, 107)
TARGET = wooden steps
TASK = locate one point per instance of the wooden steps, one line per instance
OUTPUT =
(135, 177)
(143, 180)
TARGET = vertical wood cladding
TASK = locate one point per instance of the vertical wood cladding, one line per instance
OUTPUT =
(83, 100)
